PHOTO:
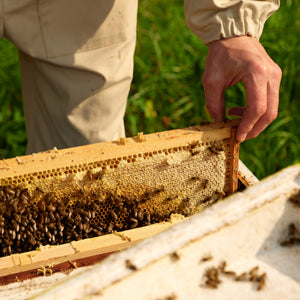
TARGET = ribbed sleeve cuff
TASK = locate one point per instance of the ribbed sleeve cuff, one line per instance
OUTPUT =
(213, 20)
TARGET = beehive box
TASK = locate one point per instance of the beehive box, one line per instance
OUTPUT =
(246, 247)
(85, 202)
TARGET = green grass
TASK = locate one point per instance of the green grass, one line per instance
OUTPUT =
(167, 92)
(12, 124)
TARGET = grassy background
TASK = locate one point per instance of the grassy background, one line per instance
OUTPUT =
(167, 92)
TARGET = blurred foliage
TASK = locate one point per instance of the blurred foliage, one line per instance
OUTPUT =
(12, 124)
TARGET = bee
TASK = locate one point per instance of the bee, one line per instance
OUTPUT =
(13, 234)
(212, 278)
(157, 191)
(185, 204)
(215, 149)
(24, 198)
(175, 256)
(140, 214)
(171, 198)
(42, 206)
(110, 228)
(113, 215)
(206, 200)
(52, 217)
(85, 227)
(222, 266)
(170, 297)
(147, 217)
(194, 144)
(295, 198)
(195, 178)
(211, 284)
(206, 258)
(134, 223)
(51, 208)
(130, 265)
(261, 281)
(292, 230)
(4, 251)
(203, 123)
(149, 194)
(230, 273)
(78, 220)
(213, 274)
(293, 238)
(241, 277)
(204, 184)
(99, 175)
(95, 207)
(253, 274)
(9, 190)
(9, 251)
(40, 190)
(195, 153)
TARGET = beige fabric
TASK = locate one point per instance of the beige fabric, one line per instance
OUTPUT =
(212, 20)
(76, 62)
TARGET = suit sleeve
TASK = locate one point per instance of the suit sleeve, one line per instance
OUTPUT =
(212, 20)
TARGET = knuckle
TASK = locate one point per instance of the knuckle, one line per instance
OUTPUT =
(260, 69)
(277, 71)
(271, 116)
(253, 135)
(259, 110)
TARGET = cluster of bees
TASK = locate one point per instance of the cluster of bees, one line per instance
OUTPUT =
(215, 148)
(213, 280)
(295, 198)
(293, 236)
(29, 220)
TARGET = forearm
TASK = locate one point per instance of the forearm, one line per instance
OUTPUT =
(212, 20)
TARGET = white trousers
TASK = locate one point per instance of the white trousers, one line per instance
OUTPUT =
(76, 60)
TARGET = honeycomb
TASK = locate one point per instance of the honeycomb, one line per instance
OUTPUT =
(84, 199)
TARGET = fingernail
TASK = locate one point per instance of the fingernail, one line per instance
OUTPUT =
(241, 137)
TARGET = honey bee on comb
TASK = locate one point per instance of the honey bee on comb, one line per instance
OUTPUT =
(194, 144)
(216, 148)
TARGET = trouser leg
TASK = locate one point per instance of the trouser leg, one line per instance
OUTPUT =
(76, 105)
(76, 92)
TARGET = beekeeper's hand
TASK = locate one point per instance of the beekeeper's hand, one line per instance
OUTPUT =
(232, 60)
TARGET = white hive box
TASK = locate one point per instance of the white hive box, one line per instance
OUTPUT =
(246, 230)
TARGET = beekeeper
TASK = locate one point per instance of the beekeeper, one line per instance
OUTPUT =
(76, 60)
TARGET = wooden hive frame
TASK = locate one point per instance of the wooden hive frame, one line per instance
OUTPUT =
(42, 169)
